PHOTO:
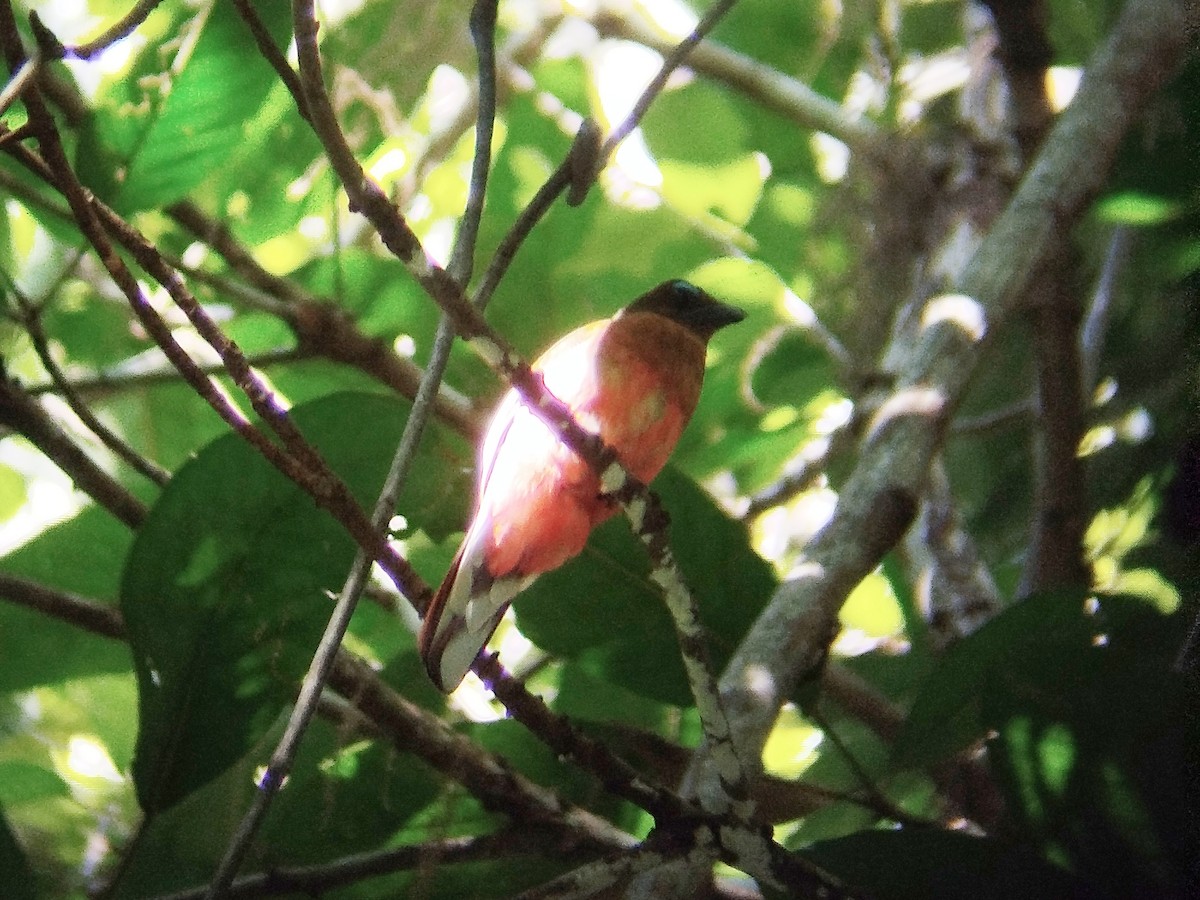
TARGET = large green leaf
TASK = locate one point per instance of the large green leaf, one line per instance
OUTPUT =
(927, 864)
(224, 592)
(343, 797)
(194, 114)
(16, 877)
(26, 782)
(82, 555)
(603, 609)
(1095, 751)
(946, 716)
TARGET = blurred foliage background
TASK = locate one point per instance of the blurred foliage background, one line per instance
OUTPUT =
(981, 727)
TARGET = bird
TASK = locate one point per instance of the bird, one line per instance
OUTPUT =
(633, 379)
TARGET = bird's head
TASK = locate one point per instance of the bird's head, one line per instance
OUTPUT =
(683, 302)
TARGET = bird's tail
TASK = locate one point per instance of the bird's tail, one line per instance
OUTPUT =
(461, 617)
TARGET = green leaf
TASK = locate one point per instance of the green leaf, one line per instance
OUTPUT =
(16, 876)
(93, 330)
(602, 608)
(169, 144)
(225, 589)
(927, 864)
(342, 797)
(82, 555)
(1133, 208)
(1094, 751)
(946, 716)
(793, 371)
(12, 492)
(24, 782)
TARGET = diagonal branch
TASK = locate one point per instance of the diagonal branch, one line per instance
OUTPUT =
(32, 320)
(768, 87)
(315, 880)
(319, 326)
(410, 728)
(483, 22)
(367, 197)
(25, 415)
(879, 498)
(300, 461)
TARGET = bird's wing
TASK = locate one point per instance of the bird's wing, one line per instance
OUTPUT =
(470, 603)
(465, 611)
(516, 451)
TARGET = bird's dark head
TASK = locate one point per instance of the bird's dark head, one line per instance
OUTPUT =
(683, 302)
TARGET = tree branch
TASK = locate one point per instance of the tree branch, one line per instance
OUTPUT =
(25, 415)
(483, 22)
(32, 320)
(74, 609)
(315, 880)
(407, 726)
(879, 498)
(320, 327)
(310, 471)
(767, 87)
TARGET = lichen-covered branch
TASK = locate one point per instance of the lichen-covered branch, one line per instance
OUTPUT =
(879, 499)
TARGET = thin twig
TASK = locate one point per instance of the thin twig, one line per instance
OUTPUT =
(320, 326)
(876, 801)
(315, 880)
(127, 376)
(483, 33)
(795, 483)
(767, 87)
(32, 320)
(483, 21)
(585, 155)
(1019, 412)
(1095, 323)
(21, 79)
(25, 415)
(119, 30)
(672, 60)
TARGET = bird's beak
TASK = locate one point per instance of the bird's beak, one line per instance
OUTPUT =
(715, 314)
(724, 314)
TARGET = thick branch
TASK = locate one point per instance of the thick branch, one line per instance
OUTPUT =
(879, 498)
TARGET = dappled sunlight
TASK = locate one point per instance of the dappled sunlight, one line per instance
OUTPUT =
(916, 401)
(1113, 535)
(759, 682)
(784, 528)
(1062, 82)
(87, 760)
(957, 310)
(793, 745)
(270, 201)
